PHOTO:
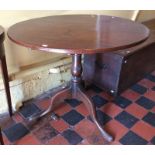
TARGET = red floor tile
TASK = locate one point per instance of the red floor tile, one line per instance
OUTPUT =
(150, 95)
(96, 139)
(111, 109)
(44, 104)
(136, 110)
(115, 143)
(58, 140)
(28, 140)
(116, 129)
(131, 95)
(62, 109)
(82, 109)
(146, 83)
(106, 96)
(144, 130)
(6, 141)
(17, 118)
(153, 110)
(85, 128)
(85, 142)
(60, 125)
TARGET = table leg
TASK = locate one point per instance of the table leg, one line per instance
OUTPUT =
(91, 109)
(6, 84)
(75, 91)
(1, 138)
(56, 100)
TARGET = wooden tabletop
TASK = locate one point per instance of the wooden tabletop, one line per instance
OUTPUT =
(1, 34)
(78, 34)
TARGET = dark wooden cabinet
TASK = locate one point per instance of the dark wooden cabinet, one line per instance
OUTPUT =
(116, 71)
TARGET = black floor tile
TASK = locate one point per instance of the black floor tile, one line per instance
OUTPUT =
(73, 102)
(99, 101)
(122, 102)
(153, 140)
(150, 118)
(145, 102)
(150, 77)
(16, 132)
(102, 117)
(72, 117)
(29, 110)
(139, 89)
(72, 137)
(132, 139)
(126, 119)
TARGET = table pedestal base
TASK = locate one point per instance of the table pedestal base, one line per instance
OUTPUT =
(75, 91)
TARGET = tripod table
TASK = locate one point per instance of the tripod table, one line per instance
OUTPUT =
(77, 35)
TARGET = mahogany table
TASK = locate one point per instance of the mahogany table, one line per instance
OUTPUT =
(77, 35)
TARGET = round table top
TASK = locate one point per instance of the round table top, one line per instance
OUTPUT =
(78, 34)
(1, 34)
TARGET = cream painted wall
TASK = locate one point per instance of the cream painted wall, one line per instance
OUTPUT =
(146, 15)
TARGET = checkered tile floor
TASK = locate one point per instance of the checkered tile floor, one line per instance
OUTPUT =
(130, 118)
